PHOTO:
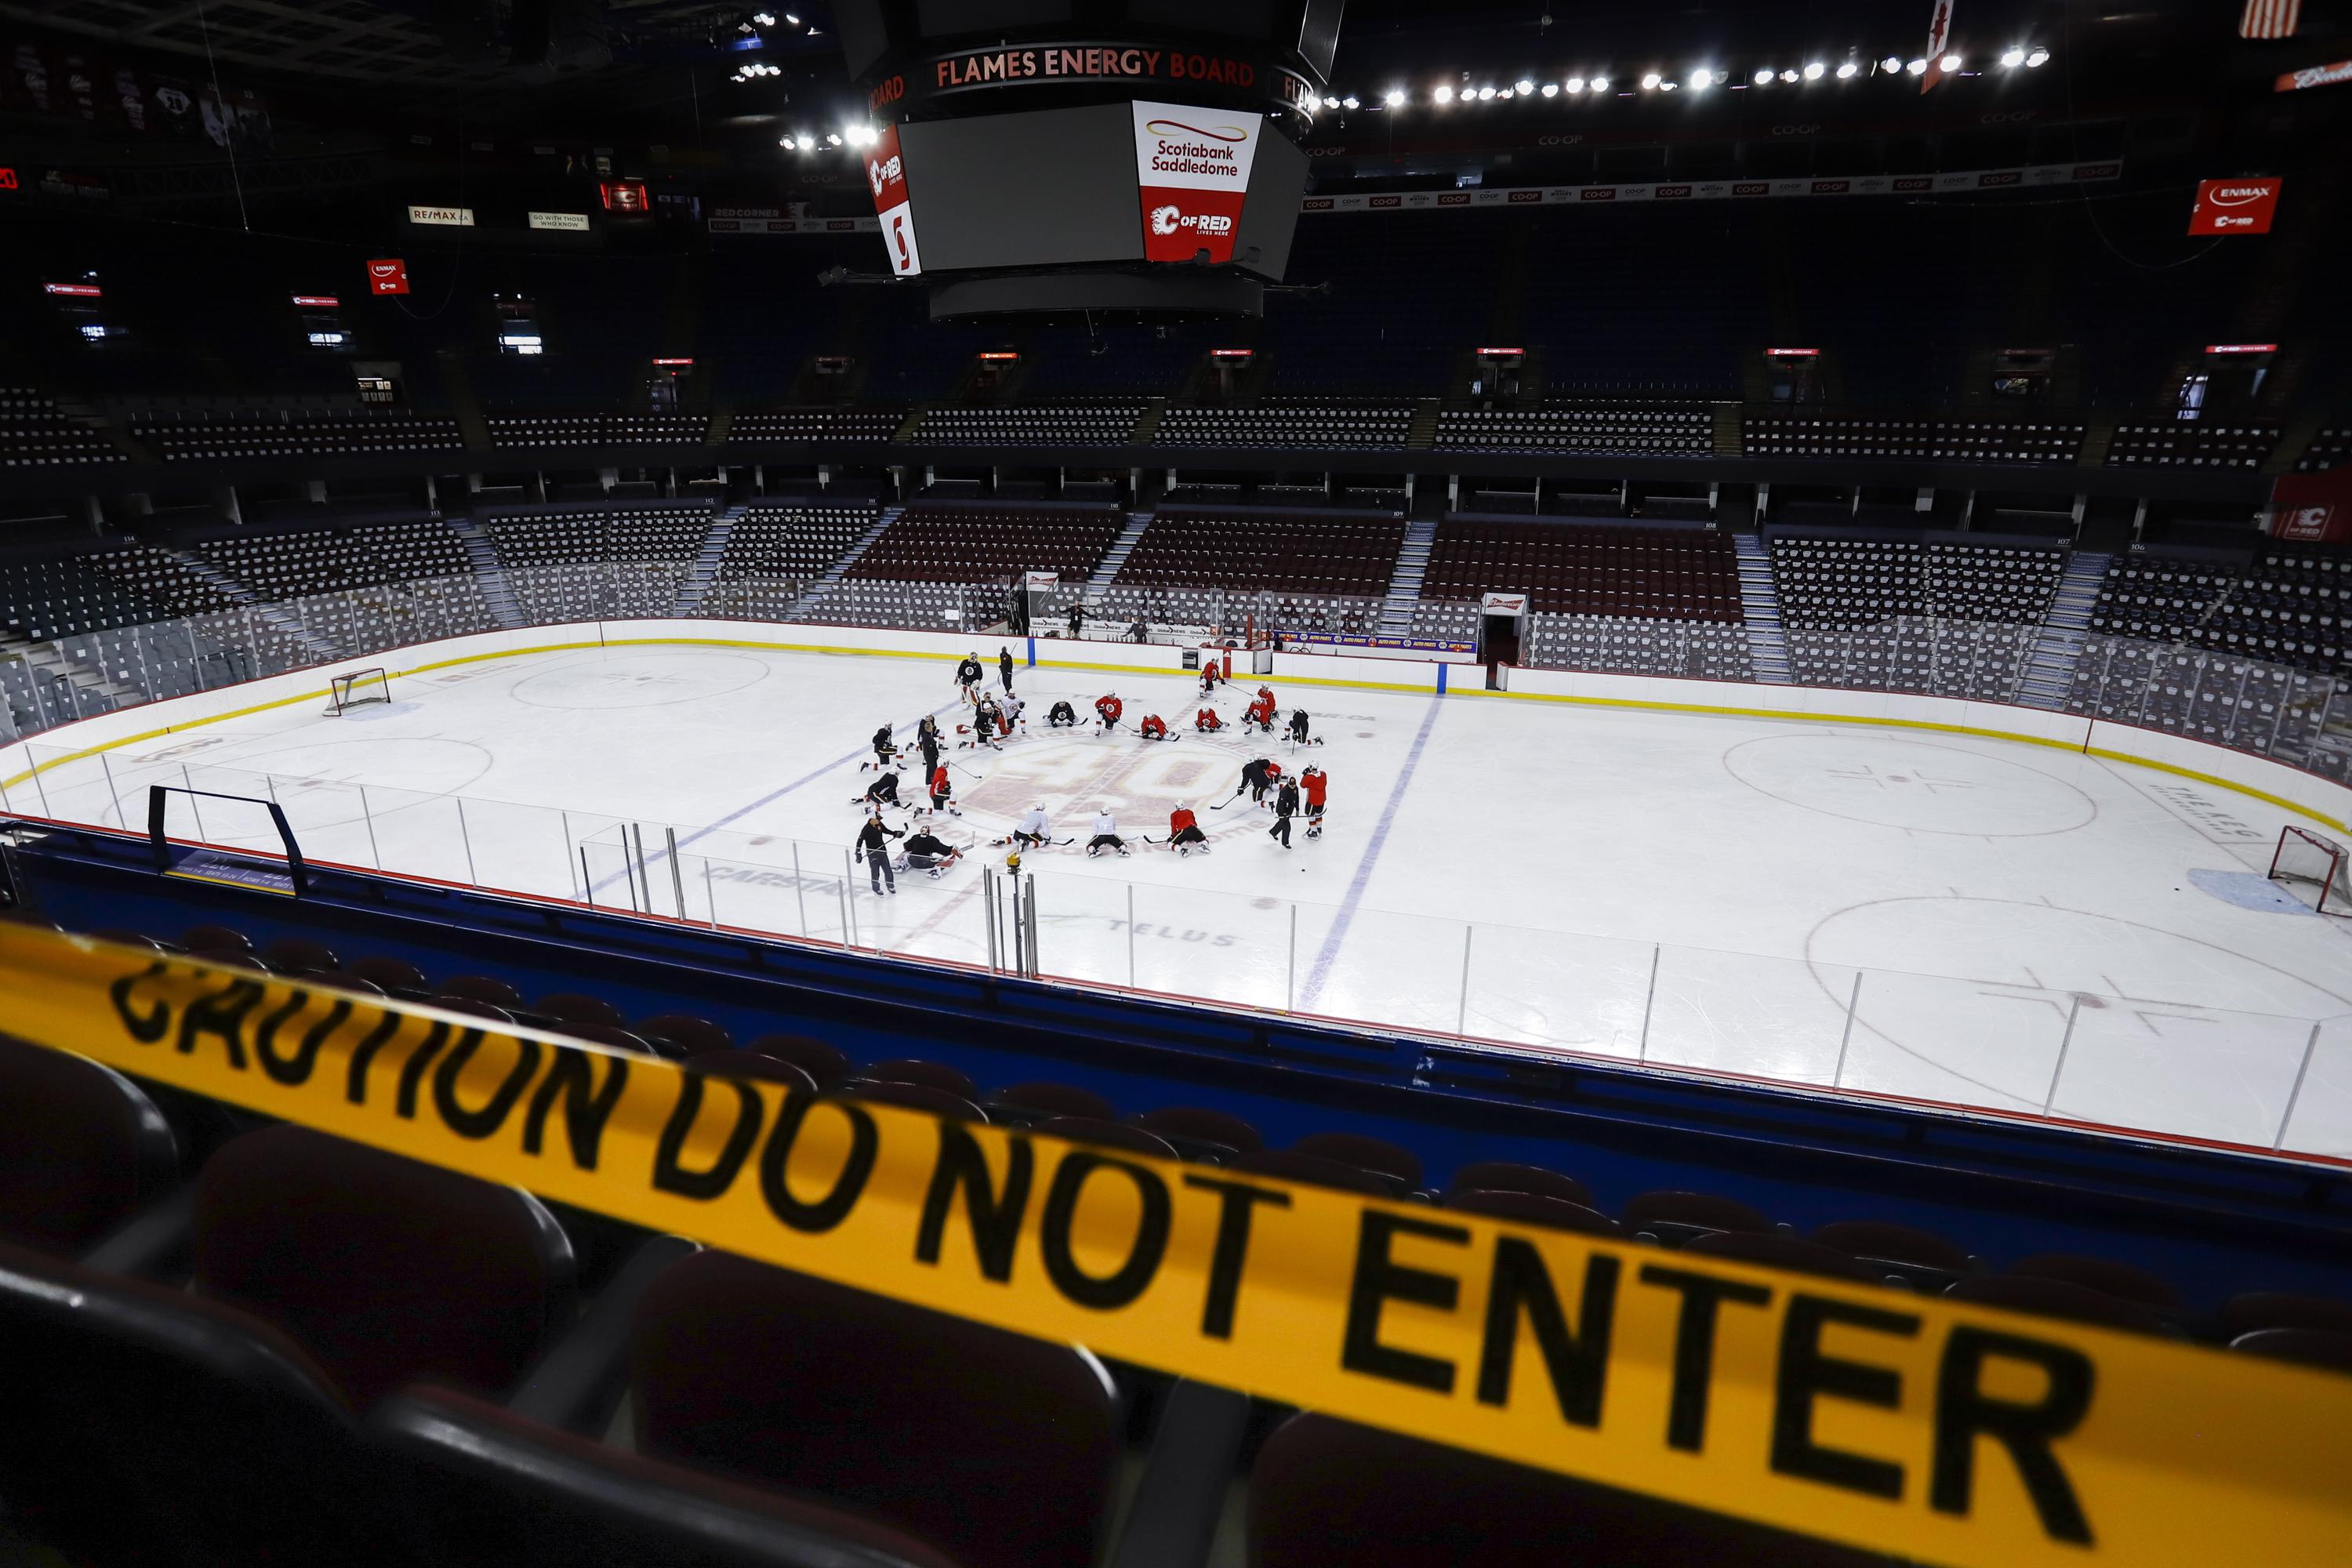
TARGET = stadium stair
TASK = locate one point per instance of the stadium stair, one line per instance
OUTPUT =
(704, 570)
(1147, 424)
(1760, 606)
(2049, 670)
(1421, 434)
(50, 660)
(253, 605)
(497, 594)
(1120, 549)
(1404, 583)
(808, 602)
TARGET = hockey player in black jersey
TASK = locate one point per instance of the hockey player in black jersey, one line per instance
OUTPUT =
(1062, 716)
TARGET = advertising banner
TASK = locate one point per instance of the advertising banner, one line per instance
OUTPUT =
(2314, 75)
(2313, 509)
(562, 223)
(2234, 207)
(1950, 182)
(886, 175)
(388, 276)
(1193, 166)
(448, 217)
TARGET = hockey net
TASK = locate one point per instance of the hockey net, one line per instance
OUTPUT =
(2317, 869)
(358, 687)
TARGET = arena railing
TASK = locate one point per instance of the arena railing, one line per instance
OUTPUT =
(2277, 1081)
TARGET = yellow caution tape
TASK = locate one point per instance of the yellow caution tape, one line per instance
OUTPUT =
(1907, 1425)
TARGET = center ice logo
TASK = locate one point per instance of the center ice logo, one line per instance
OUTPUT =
(1142, 783)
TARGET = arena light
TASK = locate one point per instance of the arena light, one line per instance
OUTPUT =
(832, 139)
(791, 20)
(1849, 70)
(1890, 65)
(1701, 80)
(1669, 86)
(1601, 84)
(1917, 68)
(1576, 84)
(1351, 101)
(1330, 103)
(1443, 95)
(1650, 80)
(1485, 95)
(2011, 58)
(1395, 98)
(764, 18)
(2036, 57)
(1789, 75)
(1950, 64)
(1551, 89)
(1524, 87)
(1763, 77)
(1816, 71)
(859, 135)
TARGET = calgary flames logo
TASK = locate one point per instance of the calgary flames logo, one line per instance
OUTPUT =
(1165, 219)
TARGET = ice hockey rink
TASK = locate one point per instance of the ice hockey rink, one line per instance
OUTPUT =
(1940, 916)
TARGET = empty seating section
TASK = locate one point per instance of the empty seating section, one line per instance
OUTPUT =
(1952, 441)
(979, 541)
(46, 597)
(1292, 571)
(1578, 427)
(324, 559)
(1572, 568)
(291, 433)
(2286, 606)
(923, 605)
(2293, 715)
(511, 430)
(2190, 445)
(2329, 448)
(1303, 423)
(817, 425)
(33, 434)
(1853, 585)
(1696, 650)
(1109, 423)
(774, 552)
(586, 565)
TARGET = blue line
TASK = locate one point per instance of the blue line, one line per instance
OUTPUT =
(1339, 931)
(770, 797)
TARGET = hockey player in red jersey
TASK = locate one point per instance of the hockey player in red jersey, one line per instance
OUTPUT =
(1261, 712)
(1107, 707)
(1184, 831)
(1153, 728)
(1210, 675)
(1207, 721)
(942, 790)
(1312, 785)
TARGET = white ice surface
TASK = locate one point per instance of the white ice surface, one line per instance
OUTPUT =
(1694, 890)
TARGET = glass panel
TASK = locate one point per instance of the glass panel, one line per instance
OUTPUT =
(2321, 1122)
(1549, 988)
(1214, 947)
(2186, 1070)
(1968, 1042)
(1082, 928)
(1754, 1015)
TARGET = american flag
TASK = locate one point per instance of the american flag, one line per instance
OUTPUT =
(2270, 18)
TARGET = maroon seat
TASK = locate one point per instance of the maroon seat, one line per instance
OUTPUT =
(1290, 1165)
(1507, 1177)
(914, 1096)
(1327, 1493)
(751, 1064)
(481, 988)
(300, 955)
(205, 939)
(382, 1268)
(819, 1060)
(1108, 1134)
(2121, 1280)
(1201, 1133)
(397, 976)
(82, 1149)
(1377, 1155)
(573, 1007)
(1036, 1101)
(473, 1008)
(1773, 1250)
(2255, 1310)
(690, 1035)
(616, 1039)
(2307, 1347)
(1535, 1209)
(930, 1074)
(1680, 1215)
(2057, 1299)
(999, 1449)
(1893, 1244)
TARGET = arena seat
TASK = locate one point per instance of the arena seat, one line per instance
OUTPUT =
(1109, 422)
(83, 1149)
(1949, 439)
(1787, 1252)
(1123, 1135)
(2306, 1347)
(1575, 427)
(1304, 423)
(1327, 1493)
(1508, 1176)
(751, 1064)
(34, 434)
(2329, 447)
(776, 551)
(821, 1061)
(838, 424)
(929, 1075)
(914, 1096)
(2176, 444)
(1199, 1132)
(1678, 1215)
(1040, 1101)
(1534, 1208)
(997, 1448)
(2058, 1298)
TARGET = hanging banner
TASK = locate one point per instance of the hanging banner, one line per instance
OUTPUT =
(562, 223)
(2235, 206)
(388, 276)
(1193, 166)
(885, 174)
(2313, 509)
(446, 217)
(1939, 43)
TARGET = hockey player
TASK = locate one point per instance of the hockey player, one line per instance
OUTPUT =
(1257, 777)
(1106, 833)
(926, 851)
(1107, 707)
(1004, 667)
(943, 791)
(1311, 784)
(882, 792)
(1261, 712)
(1184, 831)
(1207, 722)
(1153, 728)
(1009, 711)
(968, 678)
(926, 735)
(1061, 716)
(1032, 829)
(886, 750)
(1286, 806)
(984, 721)
(1210, 675)
(874, 846)
(1298, 729)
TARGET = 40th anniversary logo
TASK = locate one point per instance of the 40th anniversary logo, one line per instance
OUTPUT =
(1909, 1424)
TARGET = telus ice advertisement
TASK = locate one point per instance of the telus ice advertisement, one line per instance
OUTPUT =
(1194, 167)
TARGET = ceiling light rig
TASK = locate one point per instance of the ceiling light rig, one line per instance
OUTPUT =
(1447, 94)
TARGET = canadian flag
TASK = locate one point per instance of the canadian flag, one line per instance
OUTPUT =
(2270, 18)
(1939, 43)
